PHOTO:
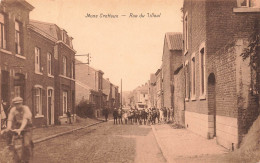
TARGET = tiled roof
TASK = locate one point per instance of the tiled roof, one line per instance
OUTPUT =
(48, 28)
(174, 40)
(152, 78)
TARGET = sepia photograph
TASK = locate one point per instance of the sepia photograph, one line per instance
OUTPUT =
(129, 81)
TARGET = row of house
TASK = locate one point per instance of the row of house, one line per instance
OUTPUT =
(203, 76)
(139, 96)
(37, 63)
(93, 88)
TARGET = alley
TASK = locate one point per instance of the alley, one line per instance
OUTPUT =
(102, 143)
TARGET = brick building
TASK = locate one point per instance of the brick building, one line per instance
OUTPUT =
(178, 95)
(159, 91)
(218, 100)
(89, 83)
(33, 64)
(140, 95)
(53, 74)
(171, 59)
(152, 91)
(112, 96)
(14, 18)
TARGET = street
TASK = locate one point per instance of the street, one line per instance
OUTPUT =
(102, 143)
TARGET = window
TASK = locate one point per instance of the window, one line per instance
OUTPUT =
(64, 61)
(186, 33)
(2, 32)
(49, 63)
(65, 102)
(71, 42)
(38, 101)
(64, 36)
(187, 81)
(193, 77)
(17, 37)
(72, 70)
(37, 60)
(17, 91)
(248, 3)
(202, 71)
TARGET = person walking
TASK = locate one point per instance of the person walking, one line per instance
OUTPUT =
(168, 114)
(106, 113)
(115, 114)
(165, 114)
(172, 114)
(68, 116)
(125, 116)
(161, 115)
(119, 116)
(158, 115)
(2, 116)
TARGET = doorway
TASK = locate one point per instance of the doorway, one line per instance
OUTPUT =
(19, 85)
(50, 106)
(212, 104)
(5, 86)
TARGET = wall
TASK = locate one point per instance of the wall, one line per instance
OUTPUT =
(179, 89)
(45, 46)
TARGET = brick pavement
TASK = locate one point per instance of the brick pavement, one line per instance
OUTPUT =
(40, 133)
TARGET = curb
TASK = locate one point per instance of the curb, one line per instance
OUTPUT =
(159, 144)
(64, 133)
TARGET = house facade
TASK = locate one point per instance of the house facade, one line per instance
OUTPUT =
(31, 59)
(152, 91)
(159, 90)
(14, 72)
(89, 83)
(171, 59)
(53, 76)
(218, 98)
(178, 95)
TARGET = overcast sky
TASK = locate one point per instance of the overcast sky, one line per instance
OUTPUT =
(124, 47)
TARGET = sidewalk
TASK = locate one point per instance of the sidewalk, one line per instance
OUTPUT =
(182, 143)
(40, 133)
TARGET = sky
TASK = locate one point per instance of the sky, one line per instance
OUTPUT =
(128, 48)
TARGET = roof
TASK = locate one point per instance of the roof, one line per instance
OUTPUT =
(157, 72)
(174, 40)
(50, 31)
(22, 2)
(152, 78)
(48, 28)
(80, 63)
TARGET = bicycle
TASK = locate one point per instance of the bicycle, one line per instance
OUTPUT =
(14, 152)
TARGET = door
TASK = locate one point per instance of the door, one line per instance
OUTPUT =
(19, 85)
(50, 108)
(212, 105)
(5, 86)
(65, 102)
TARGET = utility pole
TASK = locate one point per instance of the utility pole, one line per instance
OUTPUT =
(121, 94)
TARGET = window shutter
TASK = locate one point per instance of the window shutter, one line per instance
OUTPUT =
(35, 59)
(19, 49)
(4, 44)
(34, 100)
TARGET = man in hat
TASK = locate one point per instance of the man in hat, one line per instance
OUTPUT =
(20, 121)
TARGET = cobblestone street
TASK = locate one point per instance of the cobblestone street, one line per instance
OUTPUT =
(102, 143)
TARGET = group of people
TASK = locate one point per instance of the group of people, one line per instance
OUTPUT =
(144, 116)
